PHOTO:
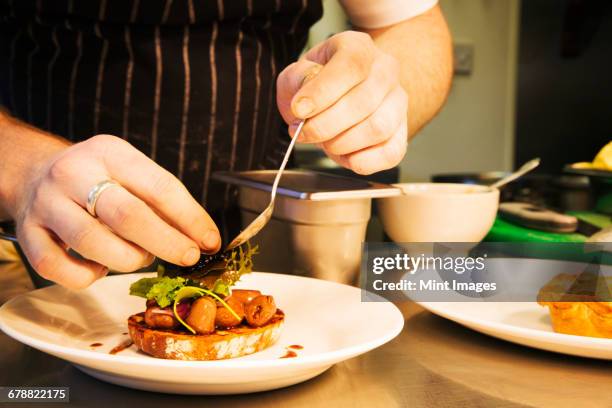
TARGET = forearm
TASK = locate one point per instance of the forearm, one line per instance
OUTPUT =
(22, 149)
(423, 47)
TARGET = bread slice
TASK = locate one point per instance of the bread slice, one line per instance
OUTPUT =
(222, 344)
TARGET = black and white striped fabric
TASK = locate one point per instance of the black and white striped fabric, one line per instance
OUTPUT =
(190, 83)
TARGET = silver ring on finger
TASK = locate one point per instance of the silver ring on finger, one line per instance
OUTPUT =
(95, 193)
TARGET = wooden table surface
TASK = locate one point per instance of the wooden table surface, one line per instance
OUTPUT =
(433, 363)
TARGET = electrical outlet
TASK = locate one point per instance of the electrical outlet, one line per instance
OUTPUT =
(463, 58)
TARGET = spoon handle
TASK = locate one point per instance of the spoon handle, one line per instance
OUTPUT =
(525, 168)
(285, 160)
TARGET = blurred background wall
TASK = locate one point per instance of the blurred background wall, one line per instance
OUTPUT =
(564, 100)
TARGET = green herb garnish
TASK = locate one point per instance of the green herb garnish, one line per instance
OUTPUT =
(163, 289)
(239, 262)
(215, 280)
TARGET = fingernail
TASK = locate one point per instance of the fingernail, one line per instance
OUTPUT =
(211, 239)
(191, 256)
(149, 259)
(304, 107)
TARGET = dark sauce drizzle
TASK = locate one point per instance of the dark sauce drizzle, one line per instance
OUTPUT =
(290, 354)
(121, 347)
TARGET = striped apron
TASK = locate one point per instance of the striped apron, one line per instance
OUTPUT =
(189, 83)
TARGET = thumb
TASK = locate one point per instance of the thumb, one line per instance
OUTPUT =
(289, 82)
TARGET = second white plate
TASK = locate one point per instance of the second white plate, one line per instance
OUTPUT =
(525, 323)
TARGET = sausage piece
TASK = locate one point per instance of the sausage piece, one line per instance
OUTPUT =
(224, 317)
(260, 310)
(158, 318)
(202, 315)
(245, 295)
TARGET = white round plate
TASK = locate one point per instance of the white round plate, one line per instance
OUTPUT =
(525, 323)
(326, 318)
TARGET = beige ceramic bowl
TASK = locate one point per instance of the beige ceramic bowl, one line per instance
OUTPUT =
(439, 212)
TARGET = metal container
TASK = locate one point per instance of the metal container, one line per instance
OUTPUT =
(318, 225)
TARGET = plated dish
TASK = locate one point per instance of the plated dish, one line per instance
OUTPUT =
(194, 313)
(567, 314)
(85, 327)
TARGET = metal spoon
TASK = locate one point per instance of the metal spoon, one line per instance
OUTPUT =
(262, 219)
(525, 168)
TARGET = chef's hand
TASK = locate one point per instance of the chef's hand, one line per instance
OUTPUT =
(356, 108)
(150, 213)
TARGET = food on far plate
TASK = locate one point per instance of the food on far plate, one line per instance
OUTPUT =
(575, 304)
(192, 313)
(603, 160)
